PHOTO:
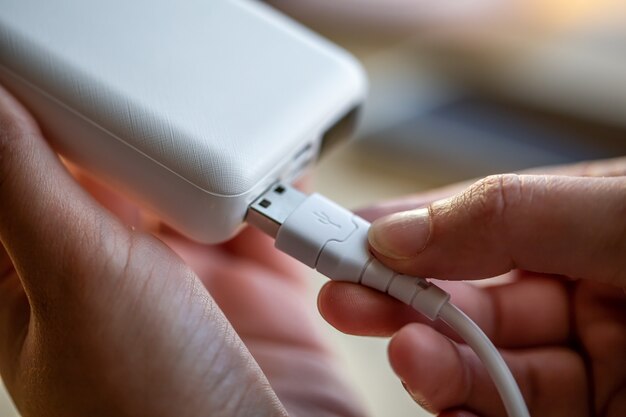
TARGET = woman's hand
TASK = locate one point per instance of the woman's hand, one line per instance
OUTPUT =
(559, 321)
(98, 318)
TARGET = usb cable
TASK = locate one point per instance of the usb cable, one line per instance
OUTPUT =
(333, 240)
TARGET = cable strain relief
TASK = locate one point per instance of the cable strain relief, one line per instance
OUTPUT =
(430, 300)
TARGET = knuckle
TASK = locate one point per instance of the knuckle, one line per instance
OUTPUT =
(491, 197)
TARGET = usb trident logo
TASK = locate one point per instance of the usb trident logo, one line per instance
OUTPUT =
(325, 219)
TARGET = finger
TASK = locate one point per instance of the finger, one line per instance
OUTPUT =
(499, 310)
(14, 315)
(6, 266)
(125, 210)
(602, 331)
(410, 202)
(363, 311)
(243, 288)
(245, 294)
(14, 318)
(120, 206)
(456, 413)
(614, 167)
(250, 247)
(48, 223)
(556, 225)
(255, 245)
(444, 375)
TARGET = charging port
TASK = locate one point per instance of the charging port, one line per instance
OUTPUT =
(340, 131)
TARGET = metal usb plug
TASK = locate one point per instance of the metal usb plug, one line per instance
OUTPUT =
(270, 210)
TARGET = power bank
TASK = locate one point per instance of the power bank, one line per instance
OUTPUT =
(194, 107)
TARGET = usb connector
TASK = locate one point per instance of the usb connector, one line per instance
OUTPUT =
(333, 240)
(271, 209)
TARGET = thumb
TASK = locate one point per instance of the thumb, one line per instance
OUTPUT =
(48, 224)
(550, 224)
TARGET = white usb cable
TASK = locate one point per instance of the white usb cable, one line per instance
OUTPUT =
(333, 240)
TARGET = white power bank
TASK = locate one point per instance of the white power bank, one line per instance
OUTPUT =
(193, 107)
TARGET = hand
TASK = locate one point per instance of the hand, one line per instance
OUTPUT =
(101, 319)
(559, 321)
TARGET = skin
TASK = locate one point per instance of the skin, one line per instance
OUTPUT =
(105, 314)
(559, 238)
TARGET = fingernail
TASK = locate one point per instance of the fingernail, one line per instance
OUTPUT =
(401, 235)
(418, 399)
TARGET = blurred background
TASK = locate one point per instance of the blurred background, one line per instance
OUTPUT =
(461, 89)
(464, 88)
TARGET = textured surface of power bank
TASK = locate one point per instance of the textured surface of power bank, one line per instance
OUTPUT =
(192, 107)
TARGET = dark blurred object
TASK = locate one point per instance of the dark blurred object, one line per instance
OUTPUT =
(478, 135)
